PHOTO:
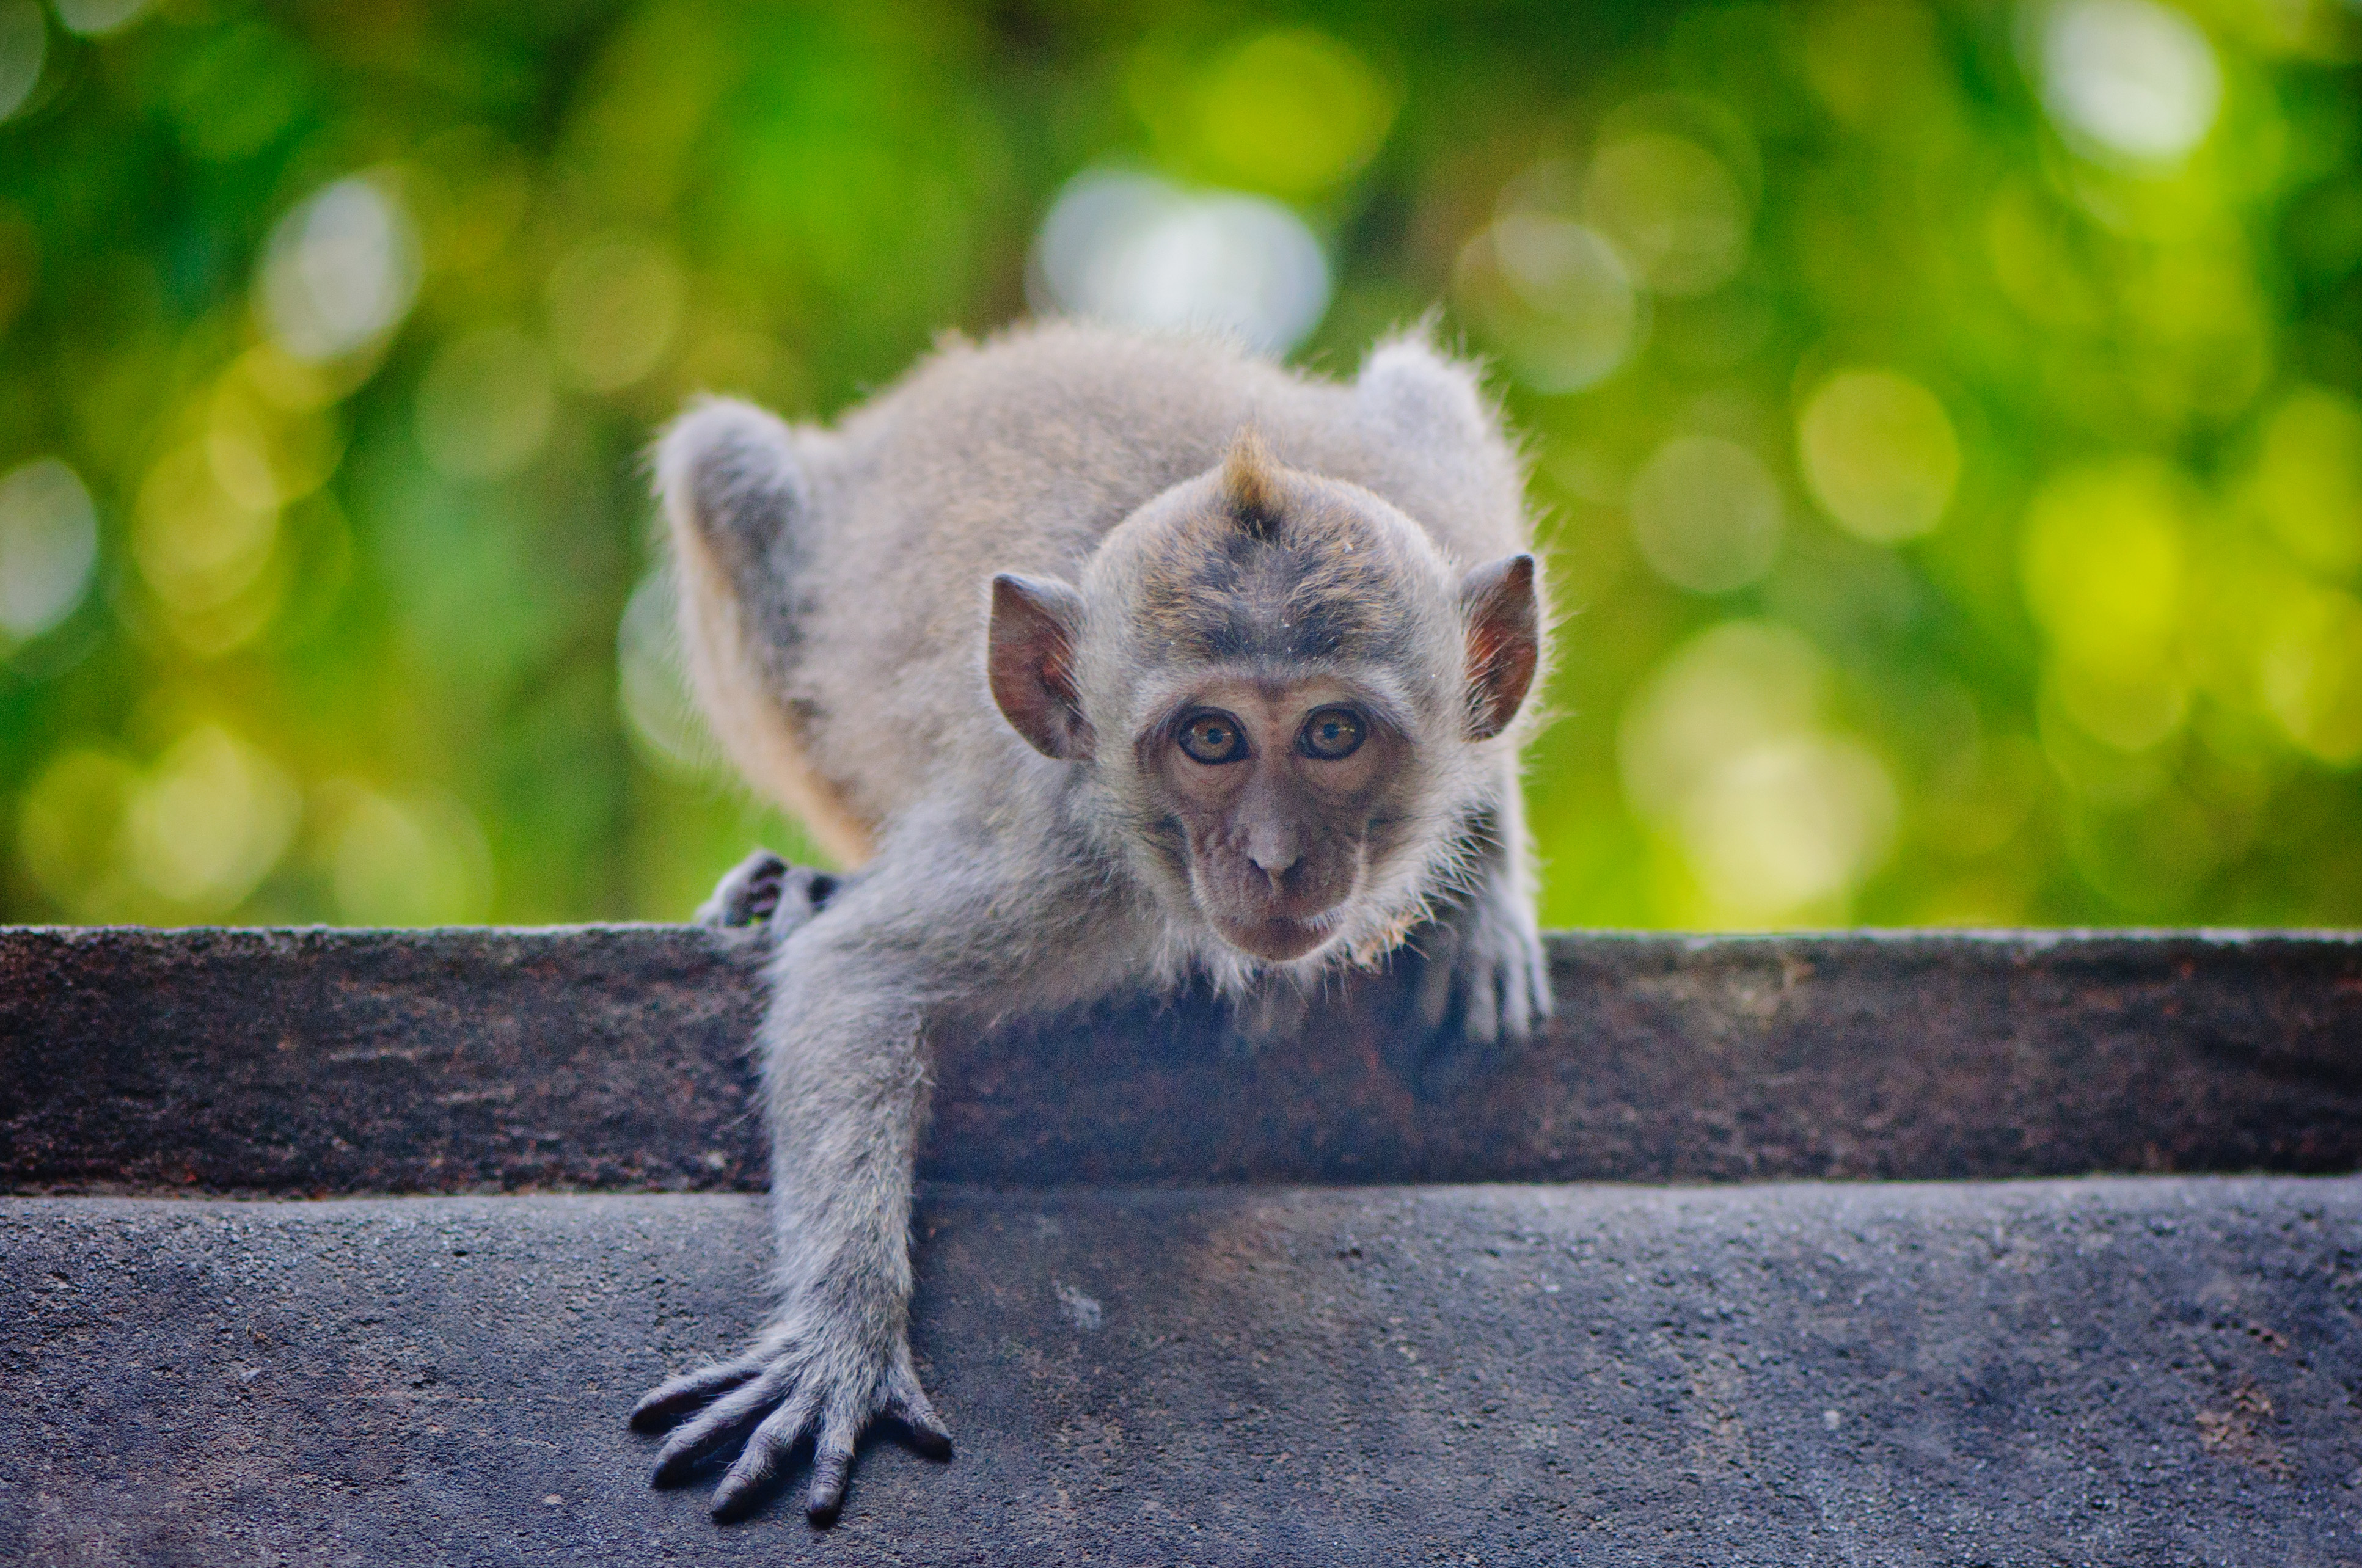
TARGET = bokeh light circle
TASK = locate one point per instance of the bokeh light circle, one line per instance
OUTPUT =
(98, 18)
(1553, 297)
(486, 405)
(339, 271)
(1706, 515)
(1672, 209)
(1291, 112)
(1726, 748)
(49, 547)
(614, 310)
(24, 46)
(1139, 251)
(2136, 78)
(1880, 454)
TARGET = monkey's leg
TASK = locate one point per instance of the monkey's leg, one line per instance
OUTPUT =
(1483, 977)
(741, 513)
(845, 1078)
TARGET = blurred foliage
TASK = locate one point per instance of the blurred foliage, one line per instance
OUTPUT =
(1943, 416)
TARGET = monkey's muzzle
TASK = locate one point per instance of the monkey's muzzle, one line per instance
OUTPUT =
(1272, 918)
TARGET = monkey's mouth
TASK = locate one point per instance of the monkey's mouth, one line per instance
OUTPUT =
(1276, 938)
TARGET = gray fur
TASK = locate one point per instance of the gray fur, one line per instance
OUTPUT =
(835, 598)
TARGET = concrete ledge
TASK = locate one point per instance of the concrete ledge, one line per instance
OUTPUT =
(321, 1062)
(2154, 1371)
(2124, 1370)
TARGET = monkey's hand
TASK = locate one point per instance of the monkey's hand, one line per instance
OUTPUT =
(1483, 981)
(809, 1375)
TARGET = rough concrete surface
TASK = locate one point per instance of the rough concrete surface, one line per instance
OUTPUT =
(314, 1062)
(2163, 1369)
(2120, 1371)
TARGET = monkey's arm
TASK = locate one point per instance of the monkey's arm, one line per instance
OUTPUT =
(860, 972)
(844, 1080)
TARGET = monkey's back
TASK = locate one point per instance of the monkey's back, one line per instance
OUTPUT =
(1021, 455)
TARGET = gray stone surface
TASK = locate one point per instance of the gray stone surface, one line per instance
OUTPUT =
(313, 1062)
(2164, 1369)
(2123, 1371)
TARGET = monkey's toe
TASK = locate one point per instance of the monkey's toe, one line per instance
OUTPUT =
(832, 1466)
(749, 893)
(664, 1404)
(764, 890)
(783, 1395)
(907, 1403)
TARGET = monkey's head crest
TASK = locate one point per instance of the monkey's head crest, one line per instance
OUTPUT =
(1250, 485)
(1286, 689)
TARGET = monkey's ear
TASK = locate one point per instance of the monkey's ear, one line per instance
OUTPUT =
(1498, 606)
(1030, 660)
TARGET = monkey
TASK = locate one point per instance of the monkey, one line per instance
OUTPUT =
(1113, 663)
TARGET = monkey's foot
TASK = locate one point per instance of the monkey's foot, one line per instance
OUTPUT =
(764, 890)
(1483, 987)
(785, 1389)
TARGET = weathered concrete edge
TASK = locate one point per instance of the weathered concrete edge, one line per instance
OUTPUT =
(2111, 1371)
(2030, 939)
(320, 1060)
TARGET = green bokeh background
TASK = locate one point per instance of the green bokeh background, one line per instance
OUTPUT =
(1954, 498)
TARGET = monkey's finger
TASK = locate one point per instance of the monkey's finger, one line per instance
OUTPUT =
(908, 1403)
(762, 892)
(676, 1397)
(768, 1448)
(799, 894)
(831, 1463)
(1517, 1005)
(1538, 983)
(720, 1422)
(1433, 1000)
(1481, 1005)
(746, 893)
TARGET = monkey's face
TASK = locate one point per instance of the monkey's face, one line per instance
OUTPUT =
(1282, 690)
(1269, 797)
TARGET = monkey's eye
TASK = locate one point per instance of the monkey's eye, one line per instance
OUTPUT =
(1213, 738)
(1332, 732)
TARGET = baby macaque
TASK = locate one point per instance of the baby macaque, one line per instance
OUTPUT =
(1117, 664)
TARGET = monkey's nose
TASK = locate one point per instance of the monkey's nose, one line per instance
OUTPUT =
(1275, 857)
